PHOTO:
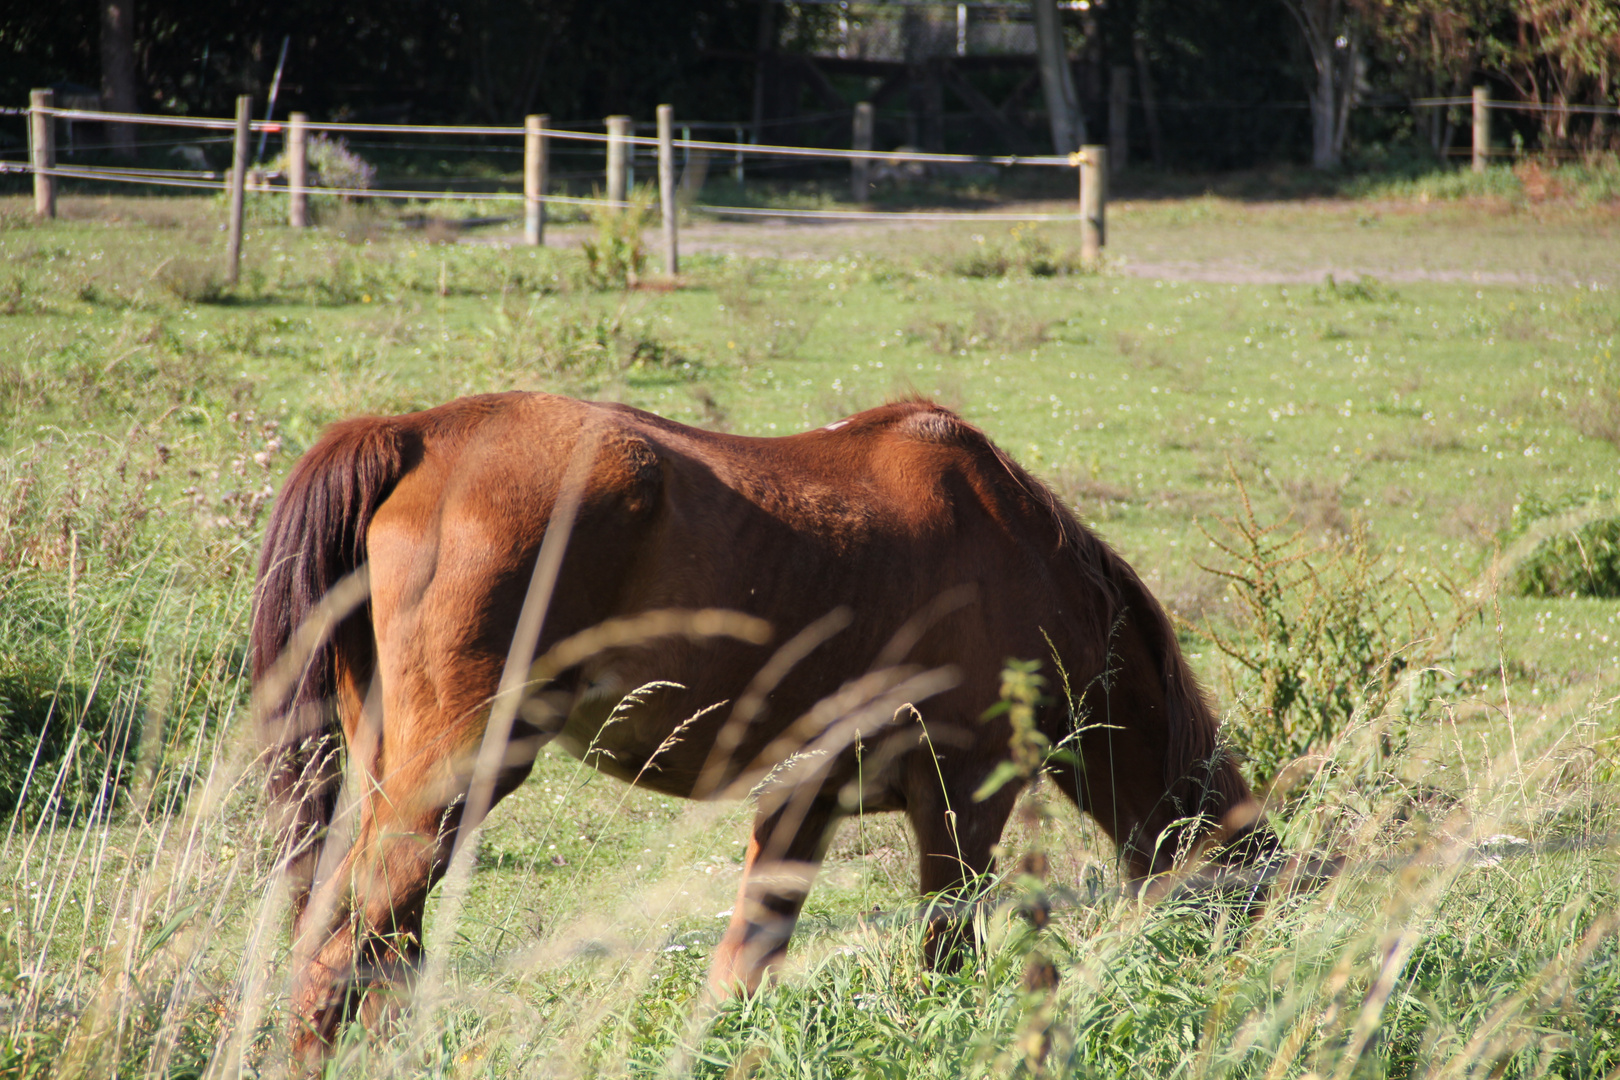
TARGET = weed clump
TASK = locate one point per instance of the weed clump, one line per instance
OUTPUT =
(527, 341)
(63, 747)
(1325, 636)
(616, 256)
(193, 281)
(1026, 250)
(1573, 546)
(985, 329)
(1365, 289)
(331, 164)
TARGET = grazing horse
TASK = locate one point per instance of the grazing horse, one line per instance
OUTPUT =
(831, 610)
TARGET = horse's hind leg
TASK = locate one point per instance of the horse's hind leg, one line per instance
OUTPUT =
(361, 929)
(784, 853)
(360, 942)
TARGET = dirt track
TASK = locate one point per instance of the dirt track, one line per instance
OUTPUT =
(1238, 243)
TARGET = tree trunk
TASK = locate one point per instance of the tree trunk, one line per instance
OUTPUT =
(933, 108)
(1324, 154)
(118, 71)
(1319, 23)
(763, 47)
(1144, 79)
(1057, 81)
(1346, 95)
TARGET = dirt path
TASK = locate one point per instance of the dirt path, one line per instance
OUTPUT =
(1221, 241)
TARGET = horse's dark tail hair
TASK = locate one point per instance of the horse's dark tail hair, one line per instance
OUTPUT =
(315, 538)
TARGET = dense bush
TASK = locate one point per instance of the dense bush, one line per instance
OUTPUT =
(332, 164)
(1573, 546)
(616, 256)
(1025, 250)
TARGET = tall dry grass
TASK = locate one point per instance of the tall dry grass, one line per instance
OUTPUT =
(1472, 931)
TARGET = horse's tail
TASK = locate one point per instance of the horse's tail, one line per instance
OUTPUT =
(315, 539)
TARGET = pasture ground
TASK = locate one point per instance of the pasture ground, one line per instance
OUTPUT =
(1446, 394)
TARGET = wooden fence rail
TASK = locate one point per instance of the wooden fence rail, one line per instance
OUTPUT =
(536, 134)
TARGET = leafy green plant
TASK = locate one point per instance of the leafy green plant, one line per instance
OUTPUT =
(1324, 635)
(1025, 250)
(616, 256)
(1366, 288)
(63, 747)
(538, 338)
(69, 714)
(192, 280)
(331, 164)
(1573, 546)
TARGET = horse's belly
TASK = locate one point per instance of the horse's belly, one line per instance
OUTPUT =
(647, 732)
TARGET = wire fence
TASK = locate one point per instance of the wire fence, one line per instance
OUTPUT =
(578, 139)
(583, 141)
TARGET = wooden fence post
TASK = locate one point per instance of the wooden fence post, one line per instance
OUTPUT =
(1093, 199)
(860, 169)
(297, 171)
(238, 182)
(666, 186)
(617, 128)
(1119, 118)
(42, 151)
(535, 153)
(1482, 127)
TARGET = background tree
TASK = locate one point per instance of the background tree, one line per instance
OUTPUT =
(118, 70)
(1560, 53)
(427, 59)
(1330, 33)
(1429, 49)
(1057, 79)
(1225, 77)
(1226, 74)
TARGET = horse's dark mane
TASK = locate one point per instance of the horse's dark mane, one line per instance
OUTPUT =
(1196, 763)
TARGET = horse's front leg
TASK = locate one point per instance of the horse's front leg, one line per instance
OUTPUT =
(784, 853)
(956, 843)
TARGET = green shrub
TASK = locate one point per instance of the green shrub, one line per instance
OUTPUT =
(69, 719)
(193, 280)
(1573, 546)
(1325, 635)
(331, 164)
(64, 747)
(1591, 181)
(1026, 250)
(617, 255)
(1365, 289)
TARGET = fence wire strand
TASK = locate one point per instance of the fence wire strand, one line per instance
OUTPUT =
(759, 149)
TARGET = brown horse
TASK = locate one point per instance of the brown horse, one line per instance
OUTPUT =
(878, 572)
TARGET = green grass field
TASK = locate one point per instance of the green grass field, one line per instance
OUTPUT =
(1439, 419)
